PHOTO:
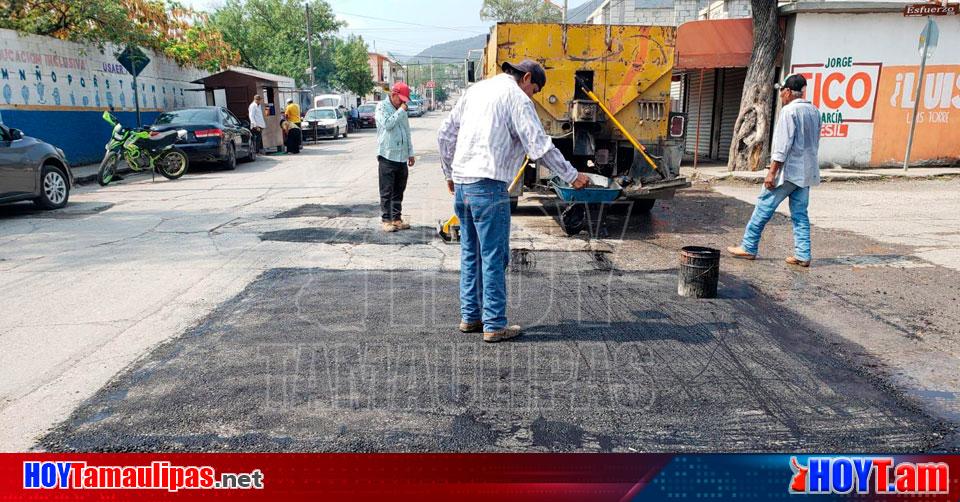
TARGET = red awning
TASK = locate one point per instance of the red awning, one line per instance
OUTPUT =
(714, 43)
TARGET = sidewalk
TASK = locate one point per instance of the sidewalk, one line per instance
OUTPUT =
(714, 172)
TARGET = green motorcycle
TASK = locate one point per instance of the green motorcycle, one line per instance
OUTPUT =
(142, 150)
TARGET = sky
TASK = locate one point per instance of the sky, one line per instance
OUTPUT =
(432, 21)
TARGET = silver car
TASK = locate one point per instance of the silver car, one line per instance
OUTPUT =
(32, 170)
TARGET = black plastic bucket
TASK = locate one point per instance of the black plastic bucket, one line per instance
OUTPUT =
(699, 272)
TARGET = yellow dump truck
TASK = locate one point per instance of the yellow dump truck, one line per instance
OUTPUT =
(607, 93)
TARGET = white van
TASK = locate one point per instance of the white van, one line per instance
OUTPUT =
(341, 101)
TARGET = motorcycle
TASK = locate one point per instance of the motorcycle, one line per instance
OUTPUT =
(142, 149)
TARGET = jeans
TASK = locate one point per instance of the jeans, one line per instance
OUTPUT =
(484, 212)
(767, 204)
(256, 139)
(393, 182)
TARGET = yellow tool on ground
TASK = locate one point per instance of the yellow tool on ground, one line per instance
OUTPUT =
(640, 148)
(449, 230)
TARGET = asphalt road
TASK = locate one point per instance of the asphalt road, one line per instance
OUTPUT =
(261, 310)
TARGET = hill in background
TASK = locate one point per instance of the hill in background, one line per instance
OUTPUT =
(450, 52)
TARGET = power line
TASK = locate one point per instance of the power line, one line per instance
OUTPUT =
(341, 13)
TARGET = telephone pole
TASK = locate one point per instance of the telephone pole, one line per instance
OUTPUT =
(313, 81)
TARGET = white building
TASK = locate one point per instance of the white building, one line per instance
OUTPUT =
(665, 12)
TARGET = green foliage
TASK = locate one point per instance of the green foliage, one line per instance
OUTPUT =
(271, 35)
(164, 26)
(352, 69)
(441, 94)
(521, 11)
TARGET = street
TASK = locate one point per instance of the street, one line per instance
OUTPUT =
(263, 310)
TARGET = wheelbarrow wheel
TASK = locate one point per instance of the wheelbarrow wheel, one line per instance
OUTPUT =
(573, 219)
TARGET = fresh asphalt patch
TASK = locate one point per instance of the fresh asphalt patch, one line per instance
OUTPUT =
(351, 235)
(332, 211)
(326, 360)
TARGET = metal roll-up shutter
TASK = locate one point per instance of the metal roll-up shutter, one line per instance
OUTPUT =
(702, 107)
(732, 92)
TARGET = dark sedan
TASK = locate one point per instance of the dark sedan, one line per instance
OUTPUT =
(368, 115)
(213, 135)
(32, 170)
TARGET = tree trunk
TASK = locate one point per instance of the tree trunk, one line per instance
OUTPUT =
(751, 146)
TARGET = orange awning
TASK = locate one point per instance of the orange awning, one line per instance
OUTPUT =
(714, 43)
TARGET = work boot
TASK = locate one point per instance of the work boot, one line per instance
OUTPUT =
(471, 327)
(388, 226)
(401, 225)
(739, 252)
(793, 260)
(503, 334)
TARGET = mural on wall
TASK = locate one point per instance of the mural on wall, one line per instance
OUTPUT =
(845, 92)
(46, 73)
(936, 136)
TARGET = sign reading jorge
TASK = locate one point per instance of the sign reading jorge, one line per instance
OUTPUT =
(843, 90)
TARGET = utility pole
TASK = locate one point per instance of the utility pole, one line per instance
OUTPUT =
(564, 11)
(313, 81)
(433, 90)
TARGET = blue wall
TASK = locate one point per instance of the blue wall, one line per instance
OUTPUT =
(80, 134)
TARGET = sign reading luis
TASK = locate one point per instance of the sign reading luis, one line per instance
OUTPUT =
(134, 61)
(843, 90)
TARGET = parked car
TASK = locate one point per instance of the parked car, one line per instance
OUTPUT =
(368, 115)
(213, 135)
(415, 108)
(33, 170)
(325, 122)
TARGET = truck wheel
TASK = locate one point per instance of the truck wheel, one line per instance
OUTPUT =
(644, 205)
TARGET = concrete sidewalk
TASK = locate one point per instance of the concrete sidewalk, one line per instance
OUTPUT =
(714, 172)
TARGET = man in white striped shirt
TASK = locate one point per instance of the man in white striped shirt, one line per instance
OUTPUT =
(482, 144)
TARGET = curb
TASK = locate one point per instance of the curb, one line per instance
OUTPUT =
(88, 179)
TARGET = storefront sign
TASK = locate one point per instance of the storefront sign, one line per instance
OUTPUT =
(931, 9)
(843, 90)
(937, 134)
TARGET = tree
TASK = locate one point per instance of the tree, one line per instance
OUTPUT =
(352, 68)
(440, 94)
(271, 35)
(751, 132)
(165, 27)
(521, 11)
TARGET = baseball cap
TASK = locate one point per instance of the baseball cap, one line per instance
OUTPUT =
(794, 82)
(402, 90)
(537, 74)
(289, 100)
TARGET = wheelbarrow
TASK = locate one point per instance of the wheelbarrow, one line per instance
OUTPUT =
(600, 191)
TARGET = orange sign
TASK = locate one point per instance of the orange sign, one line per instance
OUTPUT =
(938, 120)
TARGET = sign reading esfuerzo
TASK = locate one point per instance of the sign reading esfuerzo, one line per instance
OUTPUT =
(844, 91)
(931, 9)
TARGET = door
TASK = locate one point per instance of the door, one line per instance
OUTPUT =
(243, 132)
(231, 130)
(700, 105)
(18, 174)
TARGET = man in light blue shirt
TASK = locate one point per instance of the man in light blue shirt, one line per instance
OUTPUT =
(793, 170)
(394, 154)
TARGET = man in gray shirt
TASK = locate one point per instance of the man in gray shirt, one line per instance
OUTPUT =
(793, 170)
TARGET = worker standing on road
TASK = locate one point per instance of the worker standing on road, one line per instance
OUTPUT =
(257, 122)
(291, 124)
(482, 142)
(793, 170)
(394, 154)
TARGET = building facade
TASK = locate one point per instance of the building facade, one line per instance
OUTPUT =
(386, 71)
(666, 12)
(57, 91)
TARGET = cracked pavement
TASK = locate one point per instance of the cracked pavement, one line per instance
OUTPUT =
(101, 292)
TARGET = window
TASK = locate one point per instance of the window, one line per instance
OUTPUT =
(188, 116)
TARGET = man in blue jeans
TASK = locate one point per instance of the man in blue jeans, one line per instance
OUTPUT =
(482, 144)
(793, 170)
